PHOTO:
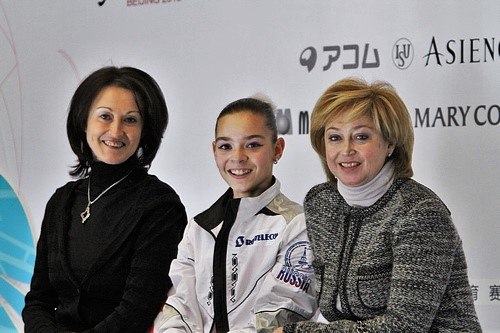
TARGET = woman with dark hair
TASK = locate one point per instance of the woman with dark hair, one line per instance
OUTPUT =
(108, 238)
(244, 264)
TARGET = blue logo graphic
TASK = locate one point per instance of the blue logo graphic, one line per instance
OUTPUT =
(240, 241)
(298, 256)
(17, 257)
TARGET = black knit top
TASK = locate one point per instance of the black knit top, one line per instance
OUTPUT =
(87, 240)
(109, 274)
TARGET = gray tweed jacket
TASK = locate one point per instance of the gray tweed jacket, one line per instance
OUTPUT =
(396, 266)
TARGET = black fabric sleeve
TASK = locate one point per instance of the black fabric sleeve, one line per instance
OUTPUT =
(40, 302)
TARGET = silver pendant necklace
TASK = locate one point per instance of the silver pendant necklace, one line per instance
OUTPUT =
(86, 213)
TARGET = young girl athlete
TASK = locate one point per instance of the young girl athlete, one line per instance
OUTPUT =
(244, 264)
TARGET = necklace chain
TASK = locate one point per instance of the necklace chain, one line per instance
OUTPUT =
(86, 213)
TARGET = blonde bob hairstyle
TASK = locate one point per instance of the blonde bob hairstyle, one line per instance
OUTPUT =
(352, 99)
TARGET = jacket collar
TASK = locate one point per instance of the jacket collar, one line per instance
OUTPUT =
(247, 207)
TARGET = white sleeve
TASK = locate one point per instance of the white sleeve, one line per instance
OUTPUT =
(287, 294)
(181, 312)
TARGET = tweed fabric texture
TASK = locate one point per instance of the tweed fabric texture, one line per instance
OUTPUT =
(397, 266)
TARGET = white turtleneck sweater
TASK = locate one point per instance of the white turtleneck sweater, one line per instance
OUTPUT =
(367, 194)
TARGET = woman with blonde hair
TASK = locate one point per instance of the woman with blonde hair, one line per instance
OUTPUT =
(387, 255)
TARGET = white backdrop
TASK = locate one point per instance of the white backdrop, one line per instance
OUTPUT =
(442, 57)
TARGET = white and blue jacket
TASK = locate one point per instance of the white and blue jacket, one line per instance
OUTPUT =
(244, 265)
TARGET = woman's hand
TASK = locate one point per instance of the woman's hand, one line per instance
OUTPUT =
(278, 330)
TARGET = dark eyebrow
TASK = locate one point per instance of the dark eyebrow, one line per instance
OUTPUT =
(134, 111)
(110, 109)
(250, 137)
(222, 138)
